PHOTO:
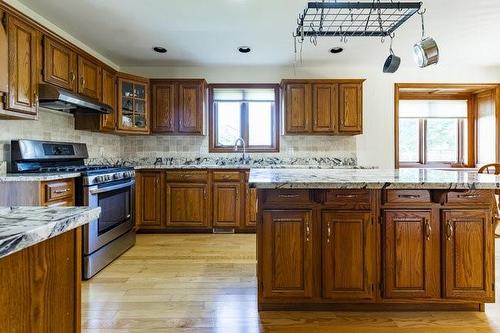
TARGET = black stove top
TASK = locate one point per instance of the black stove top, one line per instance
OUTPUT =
(85, 170)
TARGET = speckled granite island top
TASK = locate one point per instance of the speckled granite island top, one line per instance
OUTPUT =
(21, 227)
(371, 179)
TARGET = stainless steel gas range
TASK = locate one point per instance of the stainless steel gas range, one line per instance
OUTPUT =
(107, 186)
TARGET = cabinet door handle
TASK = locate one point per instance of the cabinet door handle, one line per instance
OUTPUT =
(61, 191)
(428, 230)
(308, 232)
(157, 182)
(35, 97)
(237, 194)
(449, 230)
(328, 232)
(73, 76)
(82, 81)
(205, 193)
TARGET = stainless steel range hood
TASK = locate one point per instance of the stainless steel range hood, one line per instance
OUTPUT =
(54, 98)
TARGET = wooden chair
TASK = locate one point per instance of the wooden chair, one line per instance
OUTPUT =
(494, 169)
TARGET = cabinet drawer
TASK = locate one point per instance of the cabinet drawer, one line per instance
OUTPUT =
(187, 176)
(341, 198)
(407, 196)
(58, 190)
(286, 196)
(227, 176)
(472, 197)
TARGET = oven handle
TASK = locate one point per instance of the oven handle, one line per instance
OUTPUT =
(111, 188)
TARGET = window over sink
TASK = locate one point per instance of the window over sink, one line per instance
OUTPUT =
(247, 111)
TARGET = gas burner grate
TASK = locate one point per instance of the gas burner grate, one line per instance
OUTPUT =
(353, 19)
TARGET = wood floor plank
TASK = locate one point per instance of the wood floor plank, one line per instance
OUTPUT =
(207, 283)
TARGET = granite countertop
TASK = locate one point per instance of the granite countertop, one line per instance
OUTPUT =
(233, 166)
(21, 227)
(37, 177)
(372, 179)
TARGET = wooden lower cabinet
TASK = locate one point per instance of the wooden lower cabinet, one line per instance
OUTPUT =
(187, 205)
(468, 254)
(348, 256)
(226, 205)
(251, 207)
(149, 202)
(411, 255)
(288, 263)
(427, 254)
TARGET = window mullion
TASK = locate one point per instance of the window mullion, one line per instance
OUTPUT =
(244, 122)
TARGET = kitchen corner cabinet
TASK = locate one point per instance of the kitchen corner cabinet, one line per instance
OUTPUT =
(19, 76)
(323, 107)
(178, 106)
(133, 109)
(288, 270)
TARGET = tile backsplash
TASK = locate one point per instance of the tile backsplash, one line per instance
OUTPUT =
(59, 126)
(56, 126)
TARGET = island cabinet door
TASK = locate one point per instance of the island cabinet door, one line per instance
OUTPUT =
(348, 256)
(468, 255)
(411, 255)
(287, 268)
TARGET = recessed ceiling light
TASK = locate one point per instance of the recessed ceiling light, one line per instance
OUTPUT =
(159, 49)
(244, 49)
(336, 49)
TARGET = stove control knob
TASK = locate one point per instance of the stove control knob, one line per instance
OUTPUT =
(98, 179)
(117, 175)
(108, 177)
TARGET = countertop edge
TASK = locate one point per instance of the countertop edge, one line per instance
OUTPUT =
(47, 231)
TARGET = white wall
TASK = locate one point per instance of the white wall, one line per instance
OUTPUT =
(376, 145)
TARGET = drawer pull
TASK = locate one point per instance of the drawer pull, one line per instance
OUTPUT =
(288, 196)
(449, 230)
(428, 230)
(409, 196)
(468, 196)
(346, 195)
(62, 191)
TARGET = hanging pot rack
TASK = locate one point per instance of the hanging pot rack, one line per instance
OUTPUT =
(353, 19)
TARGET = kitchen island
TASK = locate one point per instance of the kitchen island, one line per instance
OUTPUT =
(409, 239)
(40, 268)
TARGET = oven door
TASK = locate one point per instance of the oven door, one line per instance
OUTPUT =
(116, 200)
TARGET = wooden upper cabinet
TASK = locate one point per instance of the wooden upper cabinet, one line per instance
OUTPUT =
(148, 200)
(59, 64)
(163, 108)
(411, 254)
(133, 107)
(89, 78)
(226, 204)
(108, 121)
(348, 256)
(22, 95)
(287, 238)
(325, 108)
(298, 107)
(191, 107)
(351, 109)
(468, 247)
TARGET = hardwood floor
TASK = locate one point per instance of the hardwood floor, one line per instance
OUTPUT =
(207, 283)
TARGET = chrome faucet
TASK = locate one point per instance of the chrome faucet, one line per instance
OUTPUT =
(236, 144)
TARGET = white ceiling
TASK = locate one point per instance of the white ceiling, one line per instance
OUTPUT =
(205, 33)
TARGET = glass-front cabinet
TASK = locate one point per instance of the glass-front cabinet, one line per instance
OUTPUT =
(133, 110)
